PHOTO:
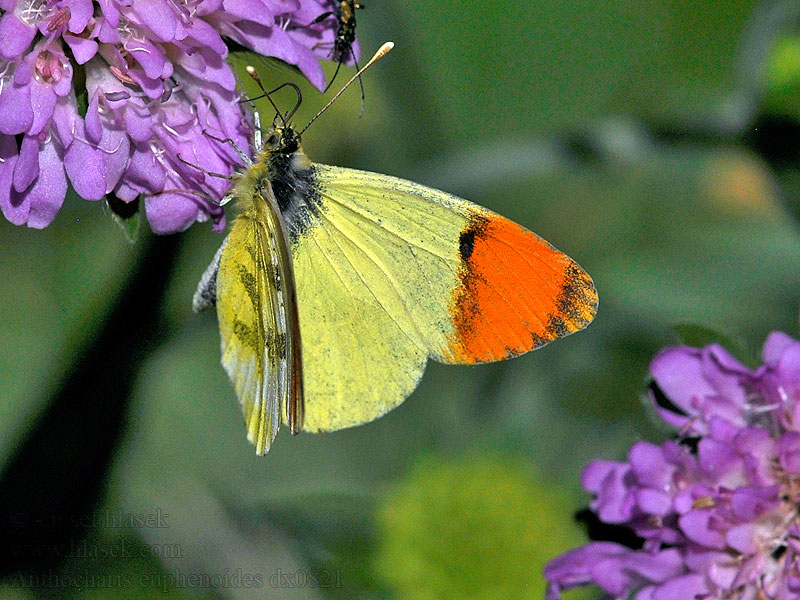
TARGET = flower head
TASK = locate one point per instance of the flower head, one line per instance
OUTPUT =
(117, 96)
(718, 512)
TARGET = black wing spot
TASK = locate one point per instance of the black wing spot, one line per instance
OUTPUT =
(246, 335)
(466, 243)
(250, 285)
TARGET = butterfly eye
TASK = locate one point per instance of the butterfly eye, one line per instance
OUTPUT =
(273, 140)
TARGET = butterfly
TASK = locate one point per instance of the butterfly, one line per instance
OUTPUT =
(335, 286)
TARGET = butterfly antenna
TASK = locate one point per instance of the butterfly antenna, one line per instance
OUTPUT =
(382, 51)
(251, 70)
(284, 117)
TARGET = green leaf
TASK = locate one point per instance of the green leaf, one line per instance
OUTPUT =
(79, 85)
(126, 215)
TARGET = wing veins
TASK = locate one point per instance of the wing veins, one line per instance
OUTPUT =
(525, 258)
(390, 231)
(271, 394)
(350, 295)
(260, 264)
(369, 288)
(523, 285)
(406, 242)
(411, 246)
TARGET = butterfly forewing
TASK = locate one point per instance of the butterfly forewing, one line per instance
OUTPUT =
(258, 323)
(391, 273)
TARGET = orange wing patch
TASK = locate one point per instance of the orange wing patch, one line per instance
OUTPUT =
(517, 292)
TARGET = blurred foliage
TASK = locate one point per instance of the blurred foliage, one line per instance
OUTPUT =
(58, 286)
(783, 77)
(445, 533)
(699, 336)
(658, 144)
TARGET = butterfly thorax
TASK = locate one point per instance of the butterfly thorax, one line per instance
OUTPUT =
(283, 165)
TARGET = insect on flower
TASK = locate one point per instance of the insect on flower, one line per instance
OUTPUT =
(101, 96)
(342, 50)
(335, 286)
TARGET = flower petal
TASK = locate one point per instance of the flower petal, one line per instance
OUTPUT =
(698, 525)
(84, 165)
(47, 194)
(15, 36)
(15, 209)
(27, 168)
(777, 343)
(682, 588)
(16, 115)
(83, 49)
(171, 212)
(43, 102)
(157, 17)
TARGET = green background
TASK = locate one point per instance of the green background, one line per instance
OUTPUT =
(652, 142)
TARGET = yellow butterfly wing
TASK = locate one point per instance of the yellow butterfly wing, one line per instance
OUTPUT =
(390, 273)
(255, 304)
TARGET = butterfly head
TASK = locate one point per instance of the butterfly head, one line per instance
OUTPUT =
(281, 152)
(281, 140)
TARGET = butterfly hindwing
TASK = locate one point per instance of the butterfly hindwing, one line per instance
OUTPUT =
(391, 273)
(253, 323)
(206, 294)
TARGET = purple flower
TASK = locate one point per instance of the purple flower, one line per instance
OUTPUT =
(110, 95)
(717, 513)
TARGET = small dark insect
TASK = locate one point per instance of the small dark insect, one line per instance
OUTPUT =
(345, 15)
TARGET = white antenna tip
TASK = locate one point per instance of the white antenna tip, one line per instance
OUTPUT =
(250, 69)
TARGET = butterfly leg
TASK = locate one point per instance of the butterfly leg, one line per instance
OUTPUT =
(245, 159)
(256, 130)
(206, 171)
